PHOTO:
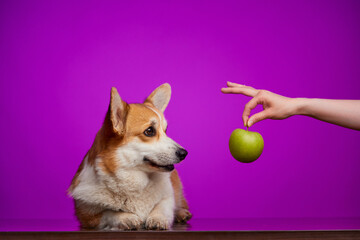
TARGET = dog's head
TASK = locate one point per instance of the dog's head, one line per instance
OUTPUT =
(134, 135)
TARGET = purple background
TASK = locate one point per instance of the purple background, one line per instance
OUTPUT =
(58, 61)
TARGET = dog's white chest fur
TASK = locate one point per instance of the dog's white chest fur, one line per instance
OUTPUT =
(127, 190)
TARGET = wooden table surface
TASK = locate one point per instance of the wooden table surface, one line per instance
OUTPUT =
(242, 228)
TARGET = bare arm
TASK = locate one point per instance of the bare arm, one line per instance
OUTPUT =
(345, 113)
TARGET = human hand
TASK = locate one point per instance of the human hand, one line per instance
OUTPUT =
(275, 106)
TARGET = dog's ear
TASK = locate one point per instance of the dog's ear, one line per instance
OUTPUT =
(160, 97)
(117, 112)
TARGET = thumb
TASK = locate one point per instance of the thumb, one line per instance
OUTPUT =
(257, 117)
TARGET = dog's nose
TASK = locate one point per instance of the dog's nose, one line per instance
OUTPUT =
(181, 153)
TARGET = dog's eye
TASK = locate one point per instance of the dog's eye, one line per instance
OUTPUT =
(150, 132)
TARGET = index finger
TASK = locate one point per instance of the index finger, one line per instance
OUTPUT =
(247, 91)
(248, 107)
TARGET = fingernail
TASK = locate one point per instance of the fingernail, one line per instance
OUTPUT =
(249, 124)
(229, 82)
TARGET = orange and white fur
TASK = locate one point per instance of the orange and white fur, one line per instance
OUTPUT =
(127, 178)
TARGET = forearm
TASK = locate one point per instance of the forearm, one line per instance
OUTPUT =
(344, 113)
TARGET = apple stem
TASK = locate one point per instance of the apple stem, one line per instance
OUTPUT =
(247, 128)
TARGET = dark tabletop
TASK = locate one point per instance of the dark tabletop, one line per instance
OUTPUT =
(196, 224)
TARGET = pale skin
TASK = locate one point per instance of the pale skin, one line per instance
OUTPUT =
(345, 113)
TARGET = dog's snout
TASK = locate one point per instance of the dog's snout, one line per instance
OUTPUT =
(181, 153)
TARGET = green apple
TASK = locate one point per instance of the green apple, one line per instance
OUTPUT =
(246, 146)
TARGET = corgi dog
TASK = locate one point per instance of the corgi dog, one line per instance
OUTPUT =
(127, 179)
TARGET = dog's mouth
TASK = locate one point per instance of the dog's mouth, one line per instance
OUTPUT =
(168, 168)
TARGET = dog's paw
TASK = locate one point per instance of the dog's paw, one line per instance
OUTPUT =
(157, 222)
(123, 221)
(182, 215)
(129, 221)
